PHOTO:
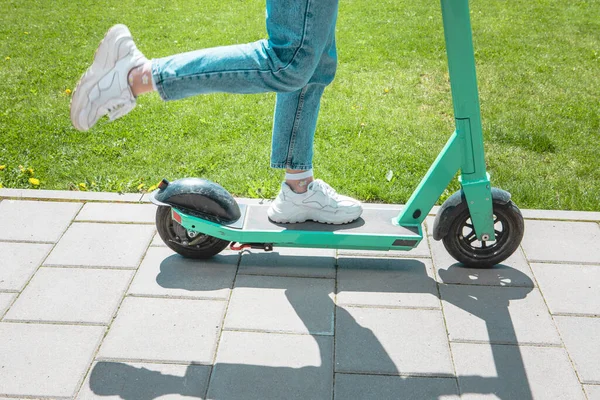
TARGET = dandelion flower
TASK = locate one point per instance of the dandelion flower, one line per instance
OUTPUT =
(2, 167)
(82, 186)
(29, 171)
(7, 58)
(68, 91)
(386, 90)
(34, 181)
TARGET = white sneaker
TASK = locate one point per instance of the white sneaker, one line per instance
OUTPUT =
(320, 203)
(104, 89)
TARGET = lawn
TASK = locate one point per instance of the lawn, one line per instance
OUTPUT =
(389, 109)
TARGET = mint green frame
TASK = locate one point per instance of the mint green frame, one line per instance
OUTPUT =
(337, 239)
(463, 152)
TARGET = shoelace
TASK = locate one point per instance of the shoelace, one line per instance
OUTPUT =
(321, 186)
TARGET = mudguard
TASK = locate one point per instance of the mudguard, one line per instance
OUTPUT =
(454, 205)
(198, 197)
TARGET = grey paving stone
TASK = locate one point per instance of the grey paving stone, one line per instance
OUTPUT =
(559, 241)
(514, 271)
(6, 300)
(503, 315)
(121, 380)
(145, 198)
(71, 295)
(570, 289)
(69, 195)
(35, 221)
(101, 245)
(378, 387)
(511, 372)
(391, 342)
(18, 262)
(45, 360)
(11, 193)
(165, 273)
(115, 212)
(282, 304)
(386, 282)
(561, 215)
(170, 330)
(428, 225)
(254, 365)
(157, 241)
(318, 263)
(592, 391)
(576, 332)
(429, 221)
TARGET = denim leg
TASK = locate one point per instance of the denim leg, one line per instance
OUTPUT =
(296, 113)
(299, 32)
(297, 61)
(295, 117)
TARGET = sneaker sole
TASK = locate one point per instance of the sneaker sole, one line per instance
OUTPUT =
(91, 79)
(296, 220)
(313, 220)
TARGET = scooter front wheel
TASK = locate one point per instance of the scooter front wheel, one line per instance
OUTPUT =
(462, 243)
(189, 244)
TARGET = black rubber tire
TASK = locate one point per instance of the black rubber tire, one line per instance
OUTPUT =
(171, 233)
(509, 228)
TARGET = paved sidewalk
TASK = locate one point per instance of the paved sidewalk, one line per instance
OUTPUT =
(93, 305)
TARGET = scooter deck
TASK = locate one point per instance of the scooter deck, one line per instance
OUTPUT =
(374, 230)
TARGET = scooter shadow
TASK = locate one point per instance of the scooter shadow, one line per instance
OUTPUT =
(233, 381)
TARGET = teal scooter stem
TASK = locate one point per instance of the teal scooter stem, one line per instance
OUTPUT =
(479, 225)
(464, 150)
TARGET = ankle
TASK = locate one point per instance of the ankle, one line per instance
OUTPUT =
(298, 180)
(140, 79)
(299, 186)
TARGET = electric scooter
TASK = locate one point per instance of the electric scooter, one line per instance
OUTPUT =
(479, 225)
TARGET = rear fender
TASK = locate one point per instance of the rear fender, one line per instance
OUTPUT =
(198, 197)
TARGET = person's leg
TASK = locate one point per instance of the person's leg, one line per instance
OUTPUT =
(298, 32)
(302, 197)
(295, 121)
(297, 62)
(140, 79)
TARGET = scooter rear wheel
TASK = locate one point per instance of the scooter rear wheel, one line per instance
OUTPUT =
(178, 238)
(462, 243)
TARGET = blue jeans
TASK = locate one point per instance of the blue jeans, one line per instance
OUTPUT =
(297, 61)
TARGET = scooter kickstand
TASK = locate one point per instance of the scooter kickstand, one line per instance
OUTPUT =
(242, 246)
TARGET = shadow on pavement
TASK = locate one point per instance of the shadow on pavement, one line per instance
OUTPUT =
(233, 381)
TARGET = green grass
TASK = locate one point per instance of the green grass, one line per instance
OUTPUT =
(388, 109)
